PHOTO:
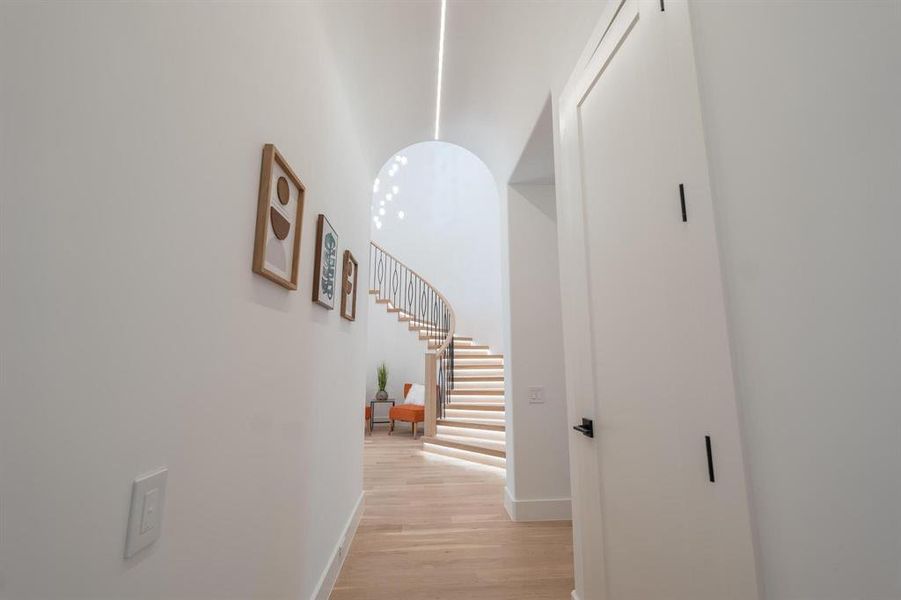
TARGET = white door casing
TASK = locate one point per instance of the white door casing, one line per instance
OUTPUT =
(647, 352)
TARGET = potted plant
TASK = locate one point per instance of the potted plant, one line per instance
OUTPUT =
(382, 374)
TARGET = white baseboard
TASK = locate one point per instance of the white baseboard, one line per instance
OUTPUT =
(342, 547)
(574, 595)
(544, 509)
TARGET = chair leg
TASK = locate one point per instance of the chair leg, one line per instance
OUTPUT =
(391, 427)
(414, 430)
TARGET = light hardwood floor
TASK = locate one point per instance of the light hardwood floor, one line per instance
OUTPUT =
(434, 529)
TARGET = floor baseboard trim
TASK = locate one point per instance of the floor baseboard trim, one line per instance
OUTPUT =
(574, 595)
(342, 547)
(543, 509)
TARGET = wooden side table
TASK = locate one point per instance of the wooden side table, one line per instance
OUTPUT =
(372, 404)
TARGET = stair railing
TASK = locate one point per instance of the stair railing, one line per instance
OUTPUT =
(421, 305)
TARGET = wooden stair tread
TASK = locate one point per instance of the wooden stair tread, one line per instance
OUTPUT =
(461, 446)
(482, 367)
(471, 425)
(477, 378)
(476, 392)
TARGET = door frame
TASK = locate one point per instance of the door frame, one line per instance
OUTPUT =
(614, 25)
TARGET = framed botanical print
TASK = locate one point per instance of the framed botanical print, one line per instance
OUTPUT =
(276, 249)
(349, 287)
(325, 270)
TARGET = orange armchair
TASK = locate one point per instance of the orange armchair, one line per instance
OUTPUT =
(408, 413)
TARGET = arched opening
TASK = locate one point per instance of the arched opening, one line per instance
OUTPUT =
(435, 212)
(435, 206)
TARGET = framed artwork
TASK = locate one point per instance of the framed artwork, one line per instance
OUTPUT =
(276, 250)
(349, 287)
(325, 271)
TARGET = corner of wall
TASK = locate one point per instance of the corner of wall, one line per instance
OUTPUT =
(542, 509)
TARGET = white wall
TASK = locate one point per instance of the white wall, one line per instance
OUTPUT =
(450, 233)
(537, 440)
(802, 111)
(401, 349)
(134, 333)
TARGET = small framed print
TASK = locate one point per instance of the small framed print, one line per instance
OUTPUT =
(325, 271)
(349, 287)
(276, 249)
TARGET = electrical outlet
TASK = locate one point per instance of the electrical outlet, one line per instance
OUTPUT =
(536, 395)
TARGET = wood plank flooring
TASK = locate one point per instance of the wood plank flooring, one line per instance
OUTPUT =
(434, 529)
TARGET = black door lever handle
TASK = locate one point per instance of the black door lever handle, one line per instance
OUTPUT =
(586, 428)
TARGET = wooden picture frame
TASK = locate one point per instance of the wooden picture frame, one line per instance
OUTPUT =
(349, 287)
(325, 269)
(279, 215)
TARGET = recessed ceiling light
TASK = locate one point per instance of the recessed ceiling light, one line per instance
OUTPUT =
(400, 214)
(440, 69)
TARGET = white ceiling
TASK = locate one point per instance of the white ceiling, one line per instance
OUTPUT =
(502, 59)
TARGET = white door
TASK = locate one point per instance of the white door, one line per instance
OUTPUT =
(647, 346)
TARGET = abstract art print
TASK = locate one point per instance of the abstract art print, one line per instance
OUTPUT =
(276, 250)
(325, 270)
(349, 287)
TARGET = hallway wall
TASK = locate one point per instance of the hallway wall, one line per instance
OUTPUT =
(401, 349)
(538, 486)
(802, 112)
(134, 334)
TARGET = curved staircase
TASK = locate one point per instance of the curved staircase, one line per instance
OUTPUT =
(467, 409)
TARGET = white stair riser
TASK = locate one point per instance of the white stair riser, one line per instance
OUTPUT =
(493, 461)
(492, 444)
(482, 416)
(473, 434)
(478, 385)
(461, 364)
(474, 419)
(499, 398)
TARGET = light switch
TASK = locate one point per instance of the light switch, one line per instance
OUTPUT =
(151, 505)
(536, 395)
(148, 493)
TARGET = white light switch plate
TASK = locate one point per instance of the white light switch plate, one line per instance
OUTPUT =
(536, 395)
(146, 517)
